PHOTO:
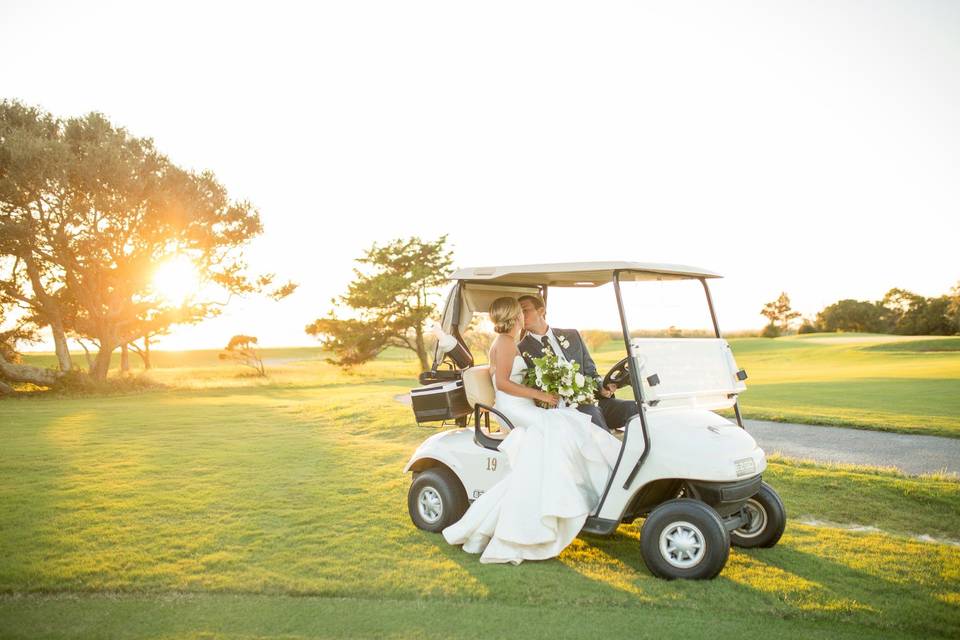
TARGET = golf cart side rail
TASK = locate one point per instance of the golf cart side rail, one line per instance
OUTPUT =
(479, 436)
(637, 386)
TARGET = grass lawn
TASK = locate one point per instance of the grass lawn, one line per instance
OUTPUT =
(229, 506)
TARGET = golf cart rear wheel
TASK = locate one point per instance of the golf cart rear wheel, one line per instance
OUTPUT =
(436, 499)
(684, 538)
(767, 518)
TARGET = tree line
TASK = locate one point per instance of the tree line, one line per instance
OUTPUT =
(899, 312)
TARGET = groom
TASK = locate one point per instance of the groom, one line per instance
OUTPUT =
(568, 344)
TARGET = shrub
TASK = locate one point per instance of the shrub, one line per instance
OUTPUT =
(808, 327)
(770, 331)
(77, 382)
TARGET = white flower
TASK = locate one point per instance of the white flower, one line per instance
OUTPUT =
(579, 379)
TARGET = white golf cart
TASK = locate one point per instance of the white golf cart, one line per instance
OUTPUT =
(692, 474)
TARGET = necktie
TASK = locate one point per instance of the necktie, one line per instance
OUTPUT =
(545, 341)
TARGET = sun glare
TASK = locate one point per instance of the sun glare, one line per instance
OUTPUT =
(176, 280)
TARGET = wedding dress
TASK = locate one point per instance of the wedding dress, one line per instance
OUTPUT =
(559, 465)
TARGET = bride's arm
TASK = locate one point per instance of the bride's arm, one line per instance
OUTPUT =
(502, 359)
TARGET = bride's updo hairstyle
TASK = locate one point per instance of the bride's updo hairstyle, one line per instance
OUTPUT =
(504, 313)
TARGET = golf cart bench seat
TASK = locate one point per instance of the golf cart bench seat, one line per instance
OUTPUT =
(481, 395)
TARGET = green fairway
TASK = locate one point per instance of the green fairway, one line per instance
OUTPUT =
(910, 386)
(231, 506)
(918, 346)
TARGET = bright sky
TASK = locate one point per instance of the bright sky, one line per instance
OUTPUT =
(806, 147)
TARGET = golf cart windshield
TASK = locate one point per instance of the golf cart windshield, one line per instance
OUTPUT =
(681, 358)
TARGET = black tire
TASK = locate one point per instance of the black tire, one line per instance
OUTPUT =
(443, 494)
(692, 521)
(768, 519)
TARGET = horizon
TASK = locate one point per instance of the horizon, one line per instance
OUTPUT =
(802, 148)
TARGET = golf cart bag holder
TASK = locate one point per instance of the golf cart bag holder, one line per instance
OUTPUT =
(479, 436)
(459, 356)
(434, 376)
(443, 400)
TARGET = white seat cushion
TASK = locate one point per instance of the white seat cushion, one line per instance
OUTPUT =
(478, 386)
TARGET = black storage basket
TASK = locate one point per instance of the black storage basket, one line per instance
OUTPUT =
(440, 401)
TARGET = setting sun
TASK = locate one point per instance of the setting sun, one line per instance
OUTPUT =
(176, 280)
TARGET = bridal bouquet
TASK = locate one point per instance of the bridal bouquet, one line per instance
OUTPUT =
(562, 377)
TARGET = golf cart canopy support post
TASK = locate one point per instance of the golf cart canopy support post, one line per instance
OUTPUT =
(637, 386)
(716, 329)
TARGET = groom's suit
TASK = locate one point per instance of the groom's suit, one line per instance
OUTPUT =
(612, 412)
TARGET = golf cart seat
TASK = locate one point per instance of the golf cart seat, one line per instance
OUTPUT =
(481, 395)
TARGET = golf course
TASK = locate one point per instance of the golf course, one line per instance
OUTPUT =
(213, 503)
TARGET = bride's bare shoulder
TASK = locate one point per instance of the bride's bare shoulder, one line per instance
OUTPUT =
(502, 345)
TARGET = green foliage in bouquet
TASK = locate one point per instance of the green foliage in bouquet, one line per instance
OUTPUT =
(562, 377)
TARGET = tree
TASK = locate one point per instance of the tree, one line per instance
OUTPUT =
(953, 308)
(391, 299)
(87, 211)
(33, 178)
(780, 315)
(144, 350)
(853, 315)
(243, 350)
(916, 315)
(933, 318)
(904, 310)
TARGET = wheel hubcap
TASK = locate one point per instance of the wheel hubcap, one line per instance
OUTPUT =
(682, 545)
(757, 520)
(430, 505)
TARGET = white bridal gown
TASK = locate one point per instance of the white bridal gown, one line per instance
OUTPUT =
(559, 465)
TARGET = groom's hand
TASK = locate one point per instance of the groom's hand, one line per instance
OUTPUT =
(608, 391)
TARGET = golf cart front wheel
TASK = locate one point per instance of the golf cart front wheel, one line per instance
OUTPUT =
(436, 499)
(766, 517)
(684, 538)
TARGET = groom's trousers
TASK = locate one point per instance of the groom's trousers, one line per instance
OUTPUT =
(611, 413)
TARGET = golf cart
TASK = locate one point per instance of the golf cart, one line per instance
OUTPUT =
(694, 475)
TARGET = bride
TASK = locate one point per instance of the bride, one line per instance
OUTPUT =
(559, 464)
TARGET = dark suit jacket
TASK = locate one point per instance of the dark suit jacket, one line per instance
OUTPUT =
(531, 348)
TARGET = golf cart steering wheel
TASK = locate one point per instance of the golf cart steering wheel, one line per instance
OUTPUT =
(619, 374)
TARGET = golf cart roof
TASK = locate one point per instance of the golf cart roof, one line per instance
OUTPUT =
(579, 274)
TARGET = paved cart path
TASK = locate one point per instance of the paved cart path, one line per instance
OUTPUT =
(910, 453)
